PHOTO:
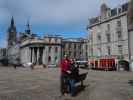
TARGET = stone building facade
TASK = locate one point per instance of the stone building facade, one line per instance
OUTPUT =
(12, 45)
(108, 33)
(28, 47)
(76, 48)
(3, 53)
(41, 51)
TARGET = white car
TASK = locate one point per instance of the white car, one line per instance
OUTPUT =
(82, 64)
(29, 64)
(52, 66)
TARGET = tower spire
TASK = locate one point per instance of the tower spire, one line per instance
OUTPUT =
(103, 1)
(12, 21)
(12, 34)
(28, 30)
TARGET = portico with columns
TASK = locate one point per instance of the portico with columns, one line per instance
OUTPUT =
(40, 52)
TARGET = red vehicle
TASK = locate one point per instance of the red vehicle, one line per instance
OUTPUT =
(103, 64)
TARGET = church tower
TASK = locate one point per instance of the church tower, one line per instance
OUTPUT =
(28, 30)
(12, 34)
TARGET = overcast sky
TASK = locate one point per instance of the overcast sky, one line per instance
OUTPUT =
(65, 17)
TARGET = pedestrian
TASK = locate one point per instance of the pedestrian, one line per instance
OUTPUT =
(73, 76)
(65, 70)
(15, 66)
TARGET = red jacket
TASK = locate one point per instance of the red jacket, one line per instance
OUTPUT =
(65, 65)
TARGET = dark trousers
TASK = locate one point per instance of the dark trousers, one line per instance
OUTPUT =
(64, 82)
(72, 86)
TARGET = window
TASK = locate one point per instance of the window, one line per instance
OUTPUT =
(119, 35)
(108, 37)
(120, 49)
(70, 53)
(119, 10)
(86, 53)
(119, 23)
(99, 51)
(109, 50)
(108, 27)
(55, 58)
(91, 51)
(74, 46)
(49, 49)
(99, 37)
(44, 47)
(49, 58)
(56, 40)
(114, 12)
(69, 46)
(86, 47)
(80, 46)
(75, 54)
(56, 49)
(64, 46)
(125, 7)
(49, 40)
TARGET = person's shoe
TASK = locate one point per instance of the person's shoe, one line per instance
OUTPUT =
(65, 94)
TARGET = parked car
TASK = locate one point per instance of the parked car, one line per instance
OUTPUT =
(52, 66)
(82, 64)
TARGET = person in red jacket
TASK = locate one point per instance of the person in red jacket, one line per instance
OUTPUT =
(65, 70)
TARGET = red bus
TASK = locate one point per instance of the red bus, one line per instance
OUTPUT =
(103, 64)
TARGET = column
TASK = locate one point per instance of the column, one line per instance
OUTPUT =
(46, 54)
(43, 57)
(37, 55)
(52, 54)
(33, 55)
(30, 54)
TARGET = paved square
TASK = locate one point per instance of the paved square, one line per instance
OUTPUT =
(43, 84)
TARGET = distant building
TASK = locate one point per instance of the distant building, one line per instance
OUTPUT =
(3, 53)
(28, 47)
(76, 48)
(3, 56)
(41, 51)
(108, 33)
(12, 40)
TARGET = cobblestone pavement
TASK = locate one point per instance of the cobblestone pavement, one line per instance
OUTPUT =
(43, 84)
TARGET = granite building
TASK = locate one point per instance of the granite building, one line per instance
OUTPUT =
(41, 51)
(108, 33)
(76, 48)
(28, 47)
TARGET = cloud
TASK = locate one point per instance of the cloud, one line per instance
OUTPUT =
(51, 12)
(62, 16)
